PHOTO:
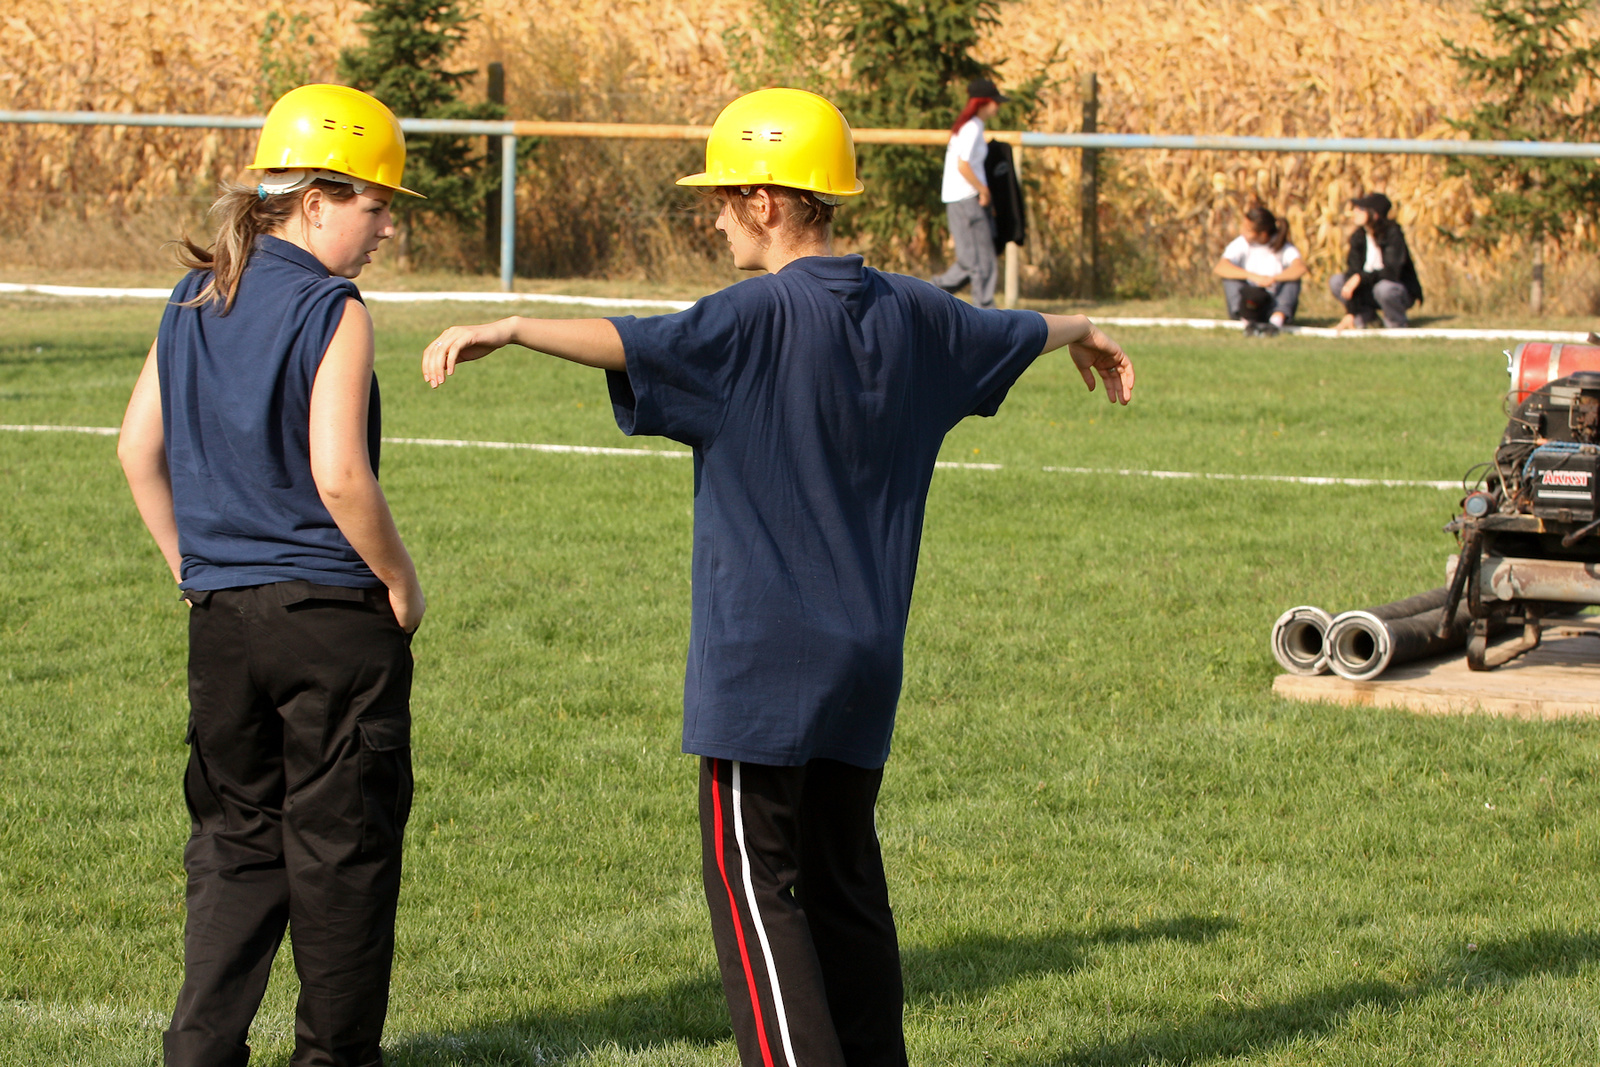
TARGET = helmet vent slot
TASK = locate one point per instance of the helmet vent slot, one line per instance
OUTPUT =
(358, 131)
(330, 124)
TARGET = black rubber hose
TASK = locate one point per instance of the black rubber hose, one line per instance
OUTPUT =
(1363, 644)
(1412, 605)
(1417, 637)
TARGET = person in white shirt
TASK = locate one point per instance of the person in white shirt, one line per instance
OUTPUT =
(1261, 273)
(966, 197)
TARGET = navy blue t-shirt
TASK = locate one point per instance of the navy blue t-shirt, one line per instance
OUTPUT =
(236, 411)
(815, 400)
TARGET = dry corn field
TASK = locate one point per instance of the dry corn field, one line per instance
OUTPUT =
(1276, 67)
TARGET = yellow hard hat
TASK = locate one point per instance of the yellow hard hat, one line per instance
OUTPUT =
(781, 137)
(334, 128)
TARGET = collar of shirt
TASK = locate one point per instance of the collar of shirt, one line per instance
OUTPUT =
(293, 253)
(839, 274)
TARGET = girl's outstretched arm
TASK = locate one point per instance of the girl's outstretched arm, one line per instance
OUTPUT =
(591, 342)
(142, 450)
(1093, 352)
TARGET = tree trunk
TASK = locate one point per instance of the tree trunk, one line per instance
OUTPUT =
(1536, 289)
(491, 196)
(1089, 193)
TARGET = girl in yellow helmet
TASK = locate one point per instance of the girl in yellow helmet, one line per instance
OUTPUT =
(815, 398)
(251, 447)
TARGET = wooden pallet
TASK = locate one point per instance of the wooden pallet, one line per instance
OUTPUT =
(1558, 680)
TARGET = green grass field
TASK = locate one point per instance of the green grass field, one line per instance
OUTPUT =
(1107, 842)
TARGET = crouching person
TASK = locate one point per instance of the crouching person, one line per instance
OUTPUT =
(1380, 277)
(1261, 272)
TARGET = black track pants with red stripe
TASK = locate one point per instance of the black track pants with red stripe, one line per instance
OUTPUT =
(800, 913)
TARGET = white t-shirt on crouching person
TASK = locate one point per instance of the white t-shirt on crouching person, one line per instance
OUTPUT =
(1260, 259)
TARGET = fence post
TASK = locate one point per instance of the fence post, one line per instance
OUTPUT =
(508, 209)
(1536, 287)
(491, 199)
(1089, 192)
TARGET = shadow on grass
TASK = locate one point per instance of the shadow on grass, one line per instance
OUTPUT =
(691, 1011)
(1229, 1032)
(972, 965)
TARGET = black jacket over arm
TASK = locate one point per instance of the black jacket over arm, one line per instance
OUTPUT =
(1005, 197)
(1397, 266)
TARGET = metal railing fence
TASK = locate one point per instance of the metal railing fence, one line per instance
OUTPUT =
(508, 130)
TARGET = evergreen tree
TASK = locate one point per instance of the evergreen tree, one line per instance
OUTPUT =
(1531, 87)
(886, 63)
(910, 62)
(798, 47)
(405, 63)
(283, 54)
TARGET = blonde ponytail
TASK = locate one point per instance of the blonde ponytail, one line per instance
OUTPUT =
(241, 214)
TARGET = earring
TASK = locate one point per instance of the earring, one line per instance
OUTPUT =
(318, 225)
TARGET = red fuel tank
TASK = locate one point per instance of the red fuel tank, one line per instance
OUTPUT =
(1534, 363)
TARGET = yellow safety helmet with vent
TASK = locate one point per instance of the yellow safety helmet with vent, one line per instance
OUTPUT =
(329, 131)
(781, 137)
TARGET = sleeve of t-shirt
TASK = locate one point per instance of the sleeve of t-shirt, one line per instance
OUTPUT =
(679, 370)
(1288, 254)
(989, 348)
(967, 140)
(1237, 249)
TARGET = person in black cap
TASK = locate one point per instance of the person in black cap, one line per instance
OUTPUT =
(966, 197)
(1379, 276)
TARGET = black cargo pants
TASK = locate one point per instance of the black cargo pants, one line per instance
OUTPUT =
(298, 787)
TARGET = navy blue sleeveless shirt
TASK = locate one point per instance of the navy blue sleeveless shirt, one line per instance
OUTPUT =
(236, 410)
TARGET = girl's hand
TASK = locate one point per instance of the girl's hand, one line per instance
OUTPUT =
(1350, 286)
(408, 603)
(1097, 353)
(459, 344)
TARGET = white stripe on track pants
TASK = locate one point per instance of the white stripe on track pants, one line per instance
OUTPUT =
(800, 913)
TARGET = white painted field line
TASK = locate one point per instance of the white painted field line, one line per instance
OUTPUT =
(1385, 483)
(87, 1015)
(517, 298)
(104, 431)
(582, 450)
(665, 453)
(391, 297)
(1416, 333)
(374, 297)
(86, 291)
